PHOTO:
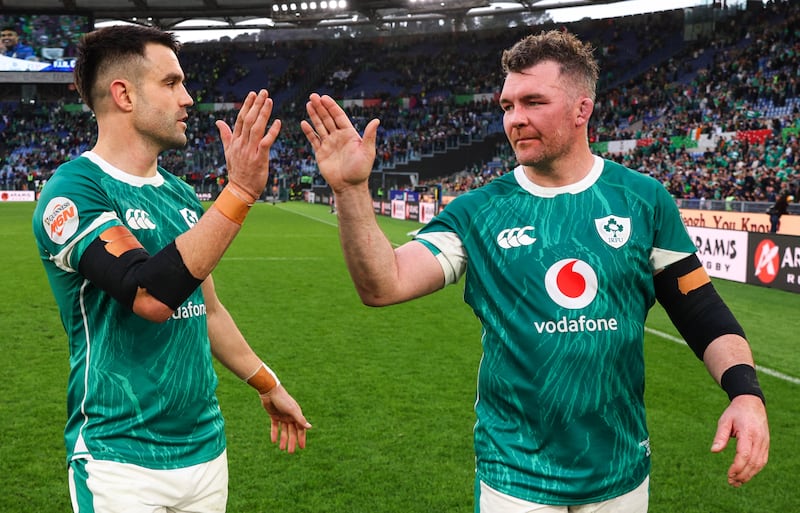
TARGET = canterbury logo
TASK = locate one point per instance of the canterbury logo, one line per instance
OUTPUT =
(515, 237)
(138, 219)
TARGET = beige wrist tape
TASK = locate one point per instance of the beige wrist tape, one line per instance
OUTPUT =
(232, 206)
(263, 379)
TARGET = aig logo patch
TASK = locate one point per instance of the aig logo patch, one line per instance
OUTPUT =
(60, 219)
(614, 230)
(571, 283)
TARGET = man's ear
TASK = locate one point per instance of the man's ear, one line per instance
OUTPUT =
(585, 109)
(122, 94)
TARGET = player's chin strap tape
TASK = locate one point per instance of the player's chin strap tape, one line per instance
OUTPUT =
(163, 275)
(686, 293)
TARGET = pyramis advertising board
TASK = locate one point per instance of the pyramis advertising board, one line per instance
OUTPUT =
(756, 258)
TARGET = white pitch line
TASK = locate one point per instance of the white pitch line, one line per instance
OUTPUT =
(761, 368)
(336, 225)
(322, 221)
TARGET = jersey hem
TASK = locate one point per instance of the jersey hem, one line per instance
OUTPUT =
(550, 500)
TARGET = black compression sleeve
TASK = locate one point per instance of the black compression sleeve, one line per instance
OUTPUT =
(163, 275)
(166, 278)
(693, 305)
(113, 274)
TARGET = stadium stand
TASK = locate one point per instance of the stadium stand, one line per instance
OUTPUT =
(714, 119)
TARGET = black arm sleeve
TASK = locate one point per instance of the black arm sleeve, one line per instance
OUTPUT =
(113, 274)
(164, 275)
(693, 305)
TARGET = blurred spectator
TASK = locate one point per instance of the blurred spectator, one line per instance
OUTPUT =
(9, 38)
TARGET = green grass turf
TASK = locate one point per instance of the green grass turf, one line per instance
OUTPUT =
(389, 391)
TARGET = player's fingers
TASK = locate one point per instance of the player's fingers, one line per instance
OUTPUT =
(313, 108)
(326, 109)
(246, 105)
(271, 136)
(254, 119)
(225, 133)
(750, 458)
(338, 117)
(262, 110)
(310, 133)
(371, 132)
(273, 431)
(722, 436)
(301, 437)
(284, 437)
(740, 462)
(292, 444)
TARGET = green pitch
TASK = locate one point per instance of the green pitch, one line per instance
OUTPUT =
(389, 391)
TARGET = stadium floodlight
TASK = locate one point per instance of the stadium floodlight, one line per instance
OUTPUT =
(305, 11)
(444, 5)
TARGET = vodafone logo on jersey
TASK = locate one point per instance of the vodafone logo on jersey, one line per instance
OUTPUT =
(60, 219)
(571, 283)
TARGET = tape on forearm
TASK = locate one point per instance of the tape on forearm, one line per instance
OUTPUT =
(263, 379)
(232, 205)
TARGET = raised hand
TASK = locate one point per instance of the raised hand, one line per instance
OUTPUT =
(247, 145)
(344, 157)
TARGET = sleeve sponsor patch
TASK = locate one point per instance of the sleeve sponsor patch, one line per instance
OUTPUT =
(60, 219)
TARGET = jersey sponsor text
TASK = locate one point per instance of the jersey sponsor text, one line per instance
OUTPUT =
(579, 325)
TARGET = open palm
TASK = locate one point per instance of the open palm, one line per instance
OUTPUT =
(344, 157)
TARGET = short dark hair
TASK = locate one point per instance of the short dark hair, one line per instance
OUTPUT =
(110, 45)
(574, 57)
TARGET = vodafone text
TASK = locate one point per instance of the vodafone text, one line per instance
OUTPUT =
(579, 325)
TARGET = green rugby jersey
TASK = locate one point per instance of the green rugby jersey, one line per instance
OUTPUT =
(561, 280)
(138, 392)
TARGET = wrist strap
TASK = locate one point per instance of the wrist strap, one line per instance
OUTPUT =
(263, 379)
(739, 380)
(232, 205)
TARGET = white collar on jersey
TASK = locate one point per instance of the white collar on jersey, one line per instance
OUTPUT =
(551, 192)
(122, 176)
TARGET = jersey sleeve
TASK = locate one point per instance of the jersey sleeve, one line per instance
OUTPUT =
(671, 239)
(72, 211)
(441, 237)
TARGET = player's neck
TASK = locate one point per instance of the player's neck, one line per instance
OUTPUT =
(127, 156)
(561, 172)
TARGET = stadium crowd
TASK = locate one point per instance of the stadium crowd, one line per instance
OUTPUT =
(657, 89)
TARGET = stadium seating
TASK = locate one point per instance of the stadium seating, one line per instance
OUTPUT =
(435, 95)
